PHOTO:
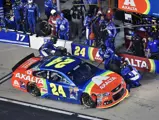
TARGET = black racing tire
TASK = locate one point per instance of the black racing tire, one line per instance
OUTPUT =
(87, 101)
(115, 68)
(33, 89)
(58, 53)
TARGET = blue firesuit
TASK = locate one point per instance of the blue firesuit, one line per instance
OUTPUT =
(87, 24)
(18, 11)
(131, 78)
(111, 35)
(49, 5)
(90, 42)
(103, 30)
(47, 48)
(108, 56)
(153, 46)
(63, 28)
(23, 1)
(2, 23)
(32, 14)
(91, 1)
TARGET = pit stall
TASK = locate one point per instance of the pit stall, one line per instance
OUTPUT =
(79, 49)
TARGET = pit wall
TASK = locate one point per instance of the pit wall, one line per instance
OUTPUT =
(82, 51)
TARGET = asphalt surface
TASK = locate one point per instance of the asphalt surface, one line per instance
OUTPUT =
(10, 111)
(141, 105)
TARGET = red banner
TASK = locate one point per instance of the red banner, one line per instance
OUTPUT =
(139, 63)
(137, 6)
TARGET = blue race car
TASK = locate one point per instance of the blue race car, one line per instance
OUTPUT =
(69, 79)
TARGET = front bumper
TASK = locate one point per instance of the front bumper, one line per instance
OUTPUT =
(113, 100)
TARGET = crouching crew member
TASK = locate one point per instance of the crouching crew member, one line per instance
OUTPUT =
(130, 75)
(48, 48)
(108, 56)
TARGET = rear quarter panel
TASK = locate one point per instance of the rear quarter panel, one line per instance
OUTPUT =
(21, 78)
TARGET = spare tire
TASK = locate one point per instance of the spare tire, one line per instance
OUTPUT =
(114, 67)
(43, 28)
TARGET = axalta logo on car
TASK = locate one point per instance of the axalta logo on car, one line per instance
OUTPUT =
(111, 79)
(137, 63)
(129, 5)
(103, 81)
(29, 78)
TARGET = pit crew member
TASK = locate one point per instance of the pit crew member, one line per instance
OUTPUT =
(18, 11)
(103, 29)
(48, 48)
(112, 32)
(137, 44)
(63, 27)
(87, 23)
(77, 14)
(32, 14)
(110, 14)
(52, 21)
(130, 75)
(108, 56)
(49, 5)
(153, 48)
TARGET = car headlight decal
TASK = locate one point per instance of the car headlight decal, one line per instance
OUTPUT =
(104, 94)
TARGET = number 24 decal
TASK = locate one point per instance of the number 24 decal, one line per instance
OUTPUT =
(20, 37)
(57, 90)
(59, 63)
(79, 51)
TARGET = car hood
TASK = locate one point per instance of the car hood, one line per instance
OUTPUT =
(103, 82)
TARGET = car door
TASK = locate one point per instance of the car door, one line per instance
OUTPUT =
(58, 86)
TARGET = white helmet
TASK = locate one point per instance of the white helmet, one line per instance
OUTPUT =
(53, 11)
(30, 1)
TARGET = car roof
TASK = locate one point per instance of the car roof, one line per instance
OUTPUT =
(49, 63)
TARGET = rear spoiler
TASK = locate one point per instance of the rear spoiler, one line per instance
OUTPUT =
(22, 61)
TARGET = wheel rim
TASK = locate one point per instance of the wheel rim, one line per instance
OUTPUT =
(87, 101)
(33, 90)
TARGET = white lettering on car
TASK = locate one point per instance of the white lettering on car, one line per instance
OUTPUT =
(16, 83)
(103, 81)
(29, 78)
(111, 79)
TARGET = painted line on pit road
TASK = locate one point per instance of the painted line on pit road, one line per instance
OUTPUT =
(5, 78)
(51, 109)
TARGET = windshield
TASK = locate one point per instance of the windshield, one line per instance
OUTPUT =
(82, 73)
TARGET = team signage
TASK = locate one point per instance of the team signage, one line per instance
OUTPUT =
(140, 63)
(14, 38)
(148, 7)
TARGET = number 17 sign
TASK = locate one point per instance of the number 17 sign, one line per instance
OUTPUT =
(14, 38)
